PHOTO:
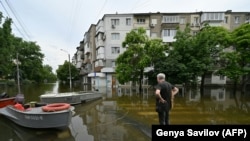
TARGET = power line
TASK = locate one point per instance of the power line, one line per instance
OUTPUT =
(104, 4)
(17, 17)
(12, 21)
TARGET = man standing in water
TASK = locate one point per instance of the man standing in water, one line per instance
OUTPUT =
(164, 94)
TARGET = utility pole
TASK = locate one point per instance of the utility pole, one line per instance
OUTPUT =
(18, 77)
(70, 78)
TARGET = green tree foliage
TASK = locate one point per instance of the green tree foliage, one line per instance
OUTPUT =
(48, 74)
(194, 56)
(141, 52)
(63, 72)
(236, 63)
(6, 47)
(29, 54)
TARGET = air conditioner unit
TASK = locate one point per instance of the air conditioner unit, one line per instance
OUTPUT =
(152, 25)
(113, 26)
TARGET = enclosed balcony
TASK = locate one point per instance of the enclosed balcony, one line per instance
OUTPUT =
(86, 49)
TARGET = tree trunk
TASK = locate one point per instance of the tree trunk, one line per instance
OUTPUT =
(234, 93)
(202, 84)
(243, 85)
(140, 81)
(235, 87)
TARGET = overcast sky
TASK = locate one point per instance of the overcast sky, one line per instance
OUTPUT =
(61, 24)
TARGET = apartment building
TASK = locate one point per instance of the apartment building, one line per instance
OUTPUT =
(102, 43)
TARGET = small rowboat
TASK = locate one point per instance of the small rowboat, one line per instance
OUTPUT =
(6, 100)
(37, 117)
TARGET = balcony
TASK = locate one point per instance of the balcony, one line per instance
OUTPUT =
(82, 56)
(99, 43)
(212, 17)
(100, 56)
(87, 50)
(78, 64)
(100, 27)
(98, 65)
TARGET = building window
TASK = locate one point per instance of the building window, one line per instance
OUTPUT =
(195, 33)
(128, 21)
(115, 36)
(222, 77)
(141, 21)
(196, 20)
(115, 50)
(169, 32)
(236, 19)
(170, 19)
(115, 21)
(113, 63)
(212, 16)
(182, 20)
(226, 19)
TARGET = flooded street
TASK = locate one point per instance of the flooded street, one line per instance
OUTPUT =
(130, 117)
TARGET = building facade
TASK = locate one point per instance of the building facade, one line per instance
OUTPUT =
(102, 43)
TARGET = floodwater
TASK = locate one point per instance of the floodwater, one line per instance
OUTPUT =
(130, 117)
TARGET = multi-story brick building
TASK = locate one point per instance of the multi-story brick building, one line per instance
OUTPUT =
(102, 43)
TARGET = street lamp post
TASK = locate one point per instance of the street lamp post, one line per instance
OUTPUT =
(70, 78)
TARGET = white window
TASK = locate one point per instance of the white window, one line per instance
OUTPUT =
(222, 77)
(154, 21)
(196, 20)
(170, 19)
(113, 63)
(182, 20)
(212, 17)
(195, 33)
(169, 32)
(226, 19)
(115, 36)
(236, 19)
(115, 21)
(115, 50)
(141, 21)
(128, 21)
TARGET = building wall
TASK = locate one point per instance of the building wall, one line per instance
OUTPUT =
(98, 40)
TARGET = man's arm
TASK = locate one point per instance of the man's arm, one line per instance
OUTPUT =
(175, 90)
(158, 94)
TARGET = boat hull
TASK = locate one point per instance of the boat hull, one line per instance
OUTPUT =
(7, 101)
(71, 98)
(36, 118)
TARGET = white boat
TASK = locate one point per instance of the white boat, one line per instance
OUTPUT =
(37, 117)
(71, 98)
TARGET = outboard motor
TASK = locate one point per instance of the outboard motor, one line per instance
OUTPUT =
(20, 98)
(4, 95)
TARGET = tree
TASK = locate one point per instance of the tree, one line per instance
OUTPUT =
(29, 54)
(208, 44)
(6, 47)
(48, 74)
(31, 59)
(140, 53)
(241, 42)
(63, 72)
(231, 68)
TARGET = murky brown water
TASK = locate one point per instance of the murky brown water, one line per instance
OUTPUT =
(131, 117)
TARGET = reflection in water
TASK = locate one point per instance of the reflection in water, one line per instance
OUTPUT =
(104, 122)
(130, 117)
(79, 130)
